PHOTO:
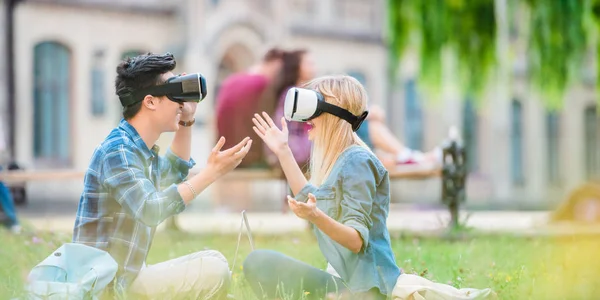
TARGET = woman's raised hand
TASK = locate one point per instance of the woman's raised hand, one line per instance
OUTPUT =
(276, 139)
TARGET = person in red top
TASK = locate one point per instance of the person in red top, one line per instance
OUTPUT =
(240, 96)
(297, 68)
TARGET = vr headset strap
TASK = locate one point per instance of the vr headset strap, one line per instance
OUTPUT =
(157, 90)
(344, 114)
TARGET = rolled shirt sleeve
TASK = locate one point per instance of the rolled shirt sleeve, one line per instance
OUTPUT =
(358, 193)
(302, 196)
(174, 169)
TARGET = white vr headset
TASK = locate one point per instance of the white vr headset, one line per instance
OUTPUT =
(302, 105)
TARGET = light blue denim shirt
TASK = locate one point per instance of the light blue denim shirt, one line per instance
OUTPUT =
(357, 194)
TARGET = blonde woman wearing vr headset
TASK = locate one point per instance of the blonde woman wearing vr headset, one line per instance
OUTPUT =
(346, 199)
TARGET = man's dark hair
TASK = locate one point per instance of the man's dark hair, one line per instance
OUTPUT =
(141, 72)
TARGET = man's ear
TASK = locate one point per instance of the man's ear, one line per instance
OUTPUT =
(150, 102)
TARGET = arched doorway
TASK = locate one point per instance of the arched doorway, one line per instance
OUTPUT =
(237, 58)
(233, 195)
(51, 97)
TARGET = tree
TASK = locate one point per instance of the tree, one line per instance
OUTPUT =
(558, 38)
(558, 41)
(464, 28)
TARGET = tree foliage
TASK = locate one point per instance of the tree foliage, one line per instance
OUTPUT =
(467, 28)
(558, 42)
(558, 39)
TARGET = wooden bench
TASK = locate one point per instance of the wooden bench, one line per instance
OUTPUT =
(18, 179)
(238, 174)
(418, 174)
(19, 176)
(248, 174)
(227, 194)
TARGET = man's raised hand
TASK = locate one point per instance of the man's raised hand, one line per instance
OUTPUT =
(221, 162)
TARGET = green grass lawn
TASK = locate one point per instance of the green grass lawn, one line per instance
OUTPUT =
(515, 268)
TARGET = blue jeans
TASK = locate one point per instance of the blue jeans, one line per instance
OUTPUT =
(8, 205)
(273, 275)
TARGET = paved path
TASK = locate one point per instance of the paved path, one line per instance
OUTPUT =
(278, 223)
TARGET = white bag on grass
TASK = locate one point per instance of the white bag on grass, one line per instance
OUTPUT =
(414, 287)
(73, 271)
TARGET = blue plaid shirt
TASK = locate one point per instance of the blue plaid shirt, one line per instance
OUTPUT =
(128, 190)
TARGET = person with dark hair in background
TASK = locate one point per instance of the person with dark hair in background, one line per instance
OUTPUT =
(297, 68)
(239, 97)
(129, 189)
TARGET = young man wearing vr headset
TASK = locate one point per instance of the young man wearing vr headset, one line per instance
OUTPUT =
(129, 189)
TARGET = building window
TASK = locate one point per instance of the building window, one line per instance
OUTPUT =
(98, 98)
(516, 150)
(470, 130)
(356, 14)
(303, 9)
(553, 148)
(413, 116)
(360, 76)
(513, 19)
(592, 143)
(51, 96)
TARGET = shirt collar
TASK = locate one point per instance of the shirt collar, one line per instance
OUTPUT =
(138, 141)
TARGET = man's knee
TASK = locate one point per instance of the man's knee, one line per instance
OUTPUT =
(215, 277)
(201, 275)
(212, 253)
(215, 265)
(221, 269)
(207, 274)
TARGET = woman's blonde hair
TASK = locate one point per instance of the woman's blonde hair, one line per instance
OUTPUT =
(335, 134)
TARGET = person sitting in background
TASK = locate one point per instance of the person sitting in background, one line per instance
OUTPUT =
(239, 96)
(297, 68)
(388, 147)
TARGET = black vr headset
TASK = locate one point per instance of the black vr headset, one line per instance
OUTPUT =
(302, 105)
(186, 88)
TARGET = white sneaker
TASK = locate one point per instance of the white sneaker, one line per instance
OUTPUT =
(453, 133)
(438, 154)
